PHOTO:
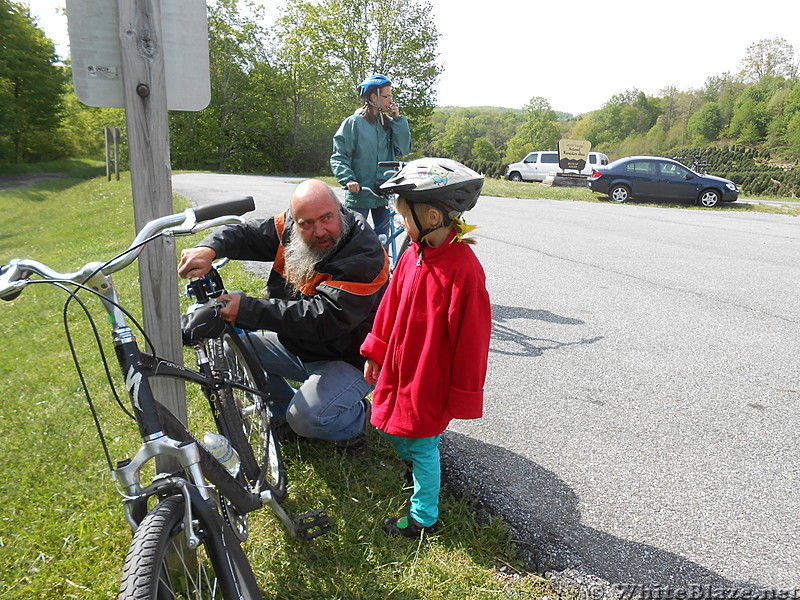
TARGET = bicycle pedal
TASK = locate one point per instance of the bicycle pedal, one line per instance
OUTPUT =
(312, 524)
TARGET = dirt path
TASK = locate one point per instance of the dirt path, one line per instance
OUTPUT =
(9, 182)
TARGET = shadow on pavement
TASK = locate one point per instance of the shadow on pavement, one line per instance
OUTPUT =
(512, 342)
(545, 522)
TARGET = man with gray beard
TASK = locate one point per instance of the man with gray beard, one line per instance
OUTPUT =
(328, 275)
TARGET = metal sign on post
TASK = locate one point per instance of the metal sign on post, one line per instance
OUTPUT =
(96, 52)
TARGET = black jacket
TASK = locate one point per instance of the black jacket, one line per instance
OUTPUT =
(331, 317)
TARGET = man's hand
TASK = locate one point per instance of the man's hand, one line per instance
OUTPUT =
(353, 187)
(371, 371)
(196, 262)
(231, 310)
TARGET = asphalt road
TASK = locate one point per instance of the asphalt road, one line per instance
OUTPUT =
(643, 398)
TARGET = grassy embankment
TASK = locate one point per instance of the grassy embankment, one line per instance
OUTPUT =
(62, 532)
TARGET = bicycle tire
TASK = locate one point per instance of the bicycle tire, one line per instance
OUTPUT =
(160, 565)
(246, 415)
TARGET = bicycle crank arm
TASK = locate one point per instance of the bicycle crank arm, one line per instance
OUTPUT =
(307, 526)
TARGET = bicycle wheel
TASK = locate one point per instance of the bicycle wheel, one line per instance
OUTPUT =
(160, 565)
(247, 415)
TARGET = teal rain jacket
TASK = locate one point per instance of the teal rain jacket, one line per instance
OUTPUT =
(358, 146)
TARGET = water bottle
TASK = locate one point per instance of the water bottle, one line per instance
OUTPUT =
(222, 450)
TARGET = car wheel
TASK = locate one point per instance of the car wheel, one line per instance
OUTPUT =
(619, 193)
(708, 198)
(515, 177)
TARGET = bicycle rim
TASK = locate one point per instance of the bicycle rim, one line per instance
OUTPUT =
(160, 565)
(248, 417)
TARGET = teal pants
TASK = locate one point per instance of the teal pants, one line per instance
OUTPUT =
(423, 454)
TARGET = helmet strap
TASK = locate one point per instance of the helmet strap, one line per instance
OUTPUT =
(423, 232)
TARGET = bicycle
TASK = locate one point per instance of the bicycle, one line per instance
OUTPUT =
(396, 241)
(188, 545)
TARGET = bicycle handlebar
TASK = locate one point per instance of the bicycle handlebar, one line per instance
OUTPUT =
(16, 274)
(370, 190)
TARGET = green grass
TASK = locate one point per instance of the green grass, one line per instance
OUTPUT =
(62, 531)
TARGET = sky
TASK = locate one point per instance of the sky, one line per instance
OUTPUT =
(576, 55)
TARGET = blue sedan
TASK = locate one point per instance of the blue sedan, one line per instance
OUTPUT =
(653, 177)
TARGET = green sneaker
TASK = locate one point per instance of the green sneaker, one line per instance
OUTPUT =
(408, 527)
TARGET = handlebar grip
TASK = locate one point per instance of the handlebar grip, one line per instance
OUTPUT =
(389, 163)
(229, 207)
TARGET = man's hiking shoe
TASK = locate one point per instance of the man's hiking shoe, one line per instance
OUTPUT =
(284, 433)
(408, 527)
(359, 441)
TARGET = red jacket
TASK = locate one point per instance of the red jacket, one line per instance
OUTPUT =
(431, 338)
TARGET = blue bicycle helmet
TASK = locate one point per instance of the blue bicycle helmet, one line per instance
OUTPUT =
(366, 87)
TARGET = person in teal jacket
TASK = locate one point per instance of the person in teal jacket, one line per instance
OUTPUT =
(375, 132)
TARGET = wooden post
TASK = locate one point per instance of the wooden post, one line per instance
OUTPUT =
(116, 152)
(145, 95)
(107, 135)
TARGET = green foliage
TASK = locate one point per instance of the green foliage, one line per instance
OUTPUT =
(706, 123)
(31, 87)
(483, 149)
(538, 132)
(326, 49)
(631, 113)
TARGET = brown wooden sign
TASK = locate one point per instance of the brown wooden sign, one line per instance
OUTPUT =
(572, 154)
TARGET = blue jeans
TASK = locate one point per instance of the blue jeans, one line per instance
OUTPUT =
(423, 454)
(328, 403)
(380, 218)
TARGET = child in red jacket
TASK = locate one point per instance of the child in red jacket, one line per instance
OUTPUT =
(430, 339)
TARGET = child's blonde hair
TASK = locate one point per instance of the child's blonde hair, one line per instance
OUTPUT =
(457, 223)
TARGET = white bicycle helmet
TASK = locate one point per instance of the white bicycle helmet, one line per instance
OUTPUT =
(438, 181)
(446, 184)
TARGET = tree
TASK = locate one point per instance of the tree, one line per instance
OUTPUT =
(325, 49)
(459, 136)
(751, 116)
(626, 114)
(538, 132)
(483, 149)
(769, 57)
(706, 122)
(244, 127)
(31, 83)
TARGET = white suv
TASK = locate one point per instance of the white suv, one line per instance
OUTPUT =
(538, 165)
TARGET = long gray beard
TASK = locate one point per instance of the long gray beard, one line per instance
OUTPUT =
(300, 259)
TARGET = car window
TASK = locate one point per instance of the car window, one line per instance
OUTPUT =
(550, 157)
(672, 170)
(592, 159)
(603, 161)
(643, 167)
(531, 159)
